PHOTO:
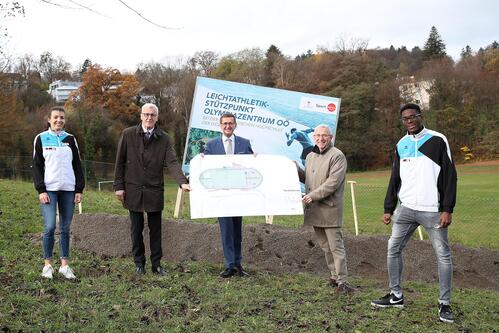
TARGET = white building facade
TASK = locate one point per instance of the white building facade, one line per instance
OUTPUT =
(60, 90)
(416, 92)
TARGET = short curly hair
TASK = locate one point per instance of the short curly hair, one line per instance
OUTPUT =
(411, 106)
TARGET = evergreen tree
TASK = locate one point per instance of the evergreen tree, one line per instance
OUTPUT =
(434, 46)
(86, 64)
(273, 53)
(466, 52)
(304, 56)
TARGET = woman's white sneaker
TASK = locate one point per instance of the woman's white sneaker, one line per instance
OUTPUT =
(67, 272)
(47, 271)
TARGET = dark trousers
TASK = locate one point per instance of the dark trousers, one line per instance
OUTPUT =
(136, 229)
(231, 235)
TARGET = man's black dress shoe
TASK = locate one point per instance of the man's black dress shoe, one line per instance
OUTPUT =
(158, 270)
(228, 272)
(140, 270)
(241, 272)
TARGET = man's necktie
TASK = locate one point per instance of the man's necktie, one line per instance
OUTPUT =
(229, 147)
(148, 135)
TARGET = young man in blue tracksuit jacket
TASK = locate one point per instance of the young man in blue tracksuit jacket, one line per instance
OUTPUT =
(424, 180)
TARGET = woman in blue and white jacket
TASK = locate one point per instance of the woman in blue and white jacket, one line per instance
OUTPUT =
(59, 180)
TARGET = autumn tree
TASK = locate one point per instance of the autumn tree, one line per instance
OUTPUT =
(491, 59)
(351, 45)
(203, 62)
(26, 67)
(100, 109)
(30, 89)
(53, 68)
(172, 89)
(245, 66)
(7, 107)
(16, 134)
(386, 127)
(463, 101)
(109, 90)
(156, 80)
(354, 124)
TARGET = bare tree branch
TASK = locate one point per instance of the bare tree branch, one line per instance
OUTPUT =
(88, 8)
(58, 4)
(80, 6)
(146, 19)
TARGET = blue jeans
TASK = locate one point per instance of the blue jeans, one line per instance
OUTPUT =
(65, 201)
(405, 222)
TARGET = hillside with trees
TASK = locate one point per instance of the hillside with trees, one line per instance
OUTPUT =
(463, 104)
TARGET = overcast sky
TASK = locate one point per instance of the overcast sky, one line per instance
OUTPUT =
(117, 37)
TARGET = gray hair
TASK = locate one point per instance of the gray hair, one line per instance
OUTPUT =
(150, 106)
(328, 129)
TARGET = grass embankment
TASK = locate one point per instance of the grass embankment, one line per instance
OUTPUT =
(108, 296)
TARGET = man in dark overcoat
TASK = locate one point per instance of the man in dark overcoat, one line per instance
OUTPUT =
(143, 151)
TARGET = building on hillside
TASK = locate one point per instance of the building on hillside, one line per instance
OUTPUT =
(413, 91)
(60, 90)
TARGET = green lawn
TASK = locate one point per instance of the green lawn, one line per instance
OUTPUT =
(475, 218)
(108, 296)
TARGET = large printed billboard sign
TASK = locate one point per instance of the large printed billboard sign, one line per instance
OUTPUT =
(276, 121)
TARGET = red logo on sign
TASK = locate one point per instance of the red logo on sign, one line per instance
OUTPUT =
(331, 107)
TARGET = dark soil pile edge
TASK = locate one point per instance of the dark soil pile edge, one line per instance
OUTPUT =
(285, 250)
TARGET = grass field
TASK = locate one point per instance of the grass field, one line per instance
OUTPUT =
(108, 296)
(475, 218)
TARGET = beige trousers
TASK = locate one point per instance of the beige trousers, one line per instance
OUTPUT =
(331, 242)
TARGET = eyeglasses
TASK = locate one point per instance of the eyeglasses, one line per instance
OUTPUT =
(147, 115)
(410, 118)
(228, 124)
(322, 135)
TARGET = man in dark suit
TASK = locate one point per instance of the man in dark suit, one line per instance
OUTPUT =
(143, 151)
(230, 227)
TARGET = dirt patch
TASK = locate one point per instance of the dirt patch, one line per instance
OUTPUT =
(285, 250)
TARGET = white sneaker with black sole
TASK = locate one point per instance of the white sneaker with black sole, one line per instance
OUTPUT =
(389, 301)
(47, 272)
(445, 313)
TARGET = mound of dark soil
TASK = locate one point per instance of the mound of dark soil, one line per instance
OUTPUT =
(281, 249)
